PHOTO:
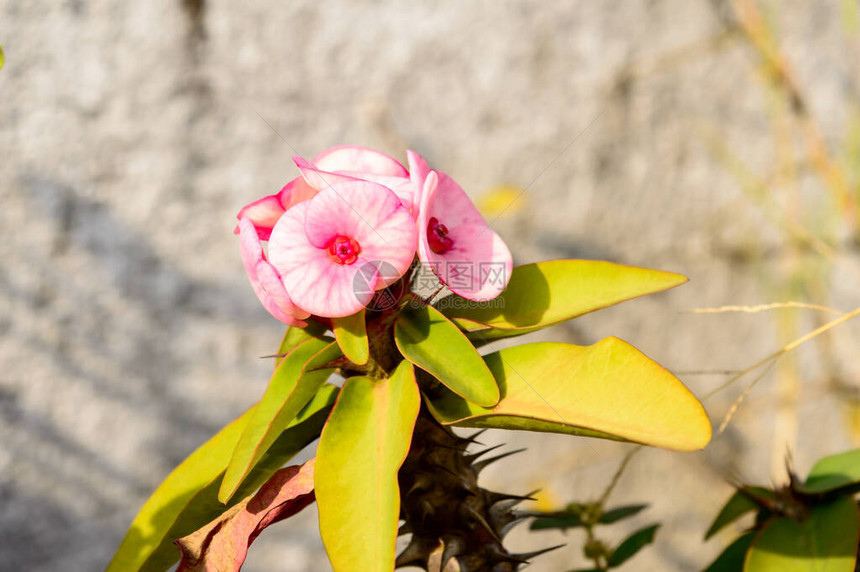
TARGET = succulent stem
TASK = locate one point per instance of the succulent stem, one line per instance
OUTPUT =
(456, 525)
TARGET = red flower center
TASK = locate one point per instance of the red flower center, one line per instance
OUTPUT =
(437, 236)
(343, 250)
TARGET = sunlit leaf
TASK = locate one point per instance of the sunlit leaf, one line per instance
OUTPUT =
(2, 58)
(292, 386)
(609, 390)
(294, 336)
(188, 498)
(223, 543)
(738, 505)
(361, 449)
(547, 293)
(631, 545)
(834, 472)
(824, 542)
(732, 558)
(429, 340)
(351, 334)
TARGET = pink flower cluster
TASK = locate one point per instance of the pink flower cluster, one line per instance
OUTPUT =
(354, 212)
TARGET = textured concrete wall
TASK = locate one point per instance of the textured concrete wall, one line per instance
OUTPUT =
(131, 132)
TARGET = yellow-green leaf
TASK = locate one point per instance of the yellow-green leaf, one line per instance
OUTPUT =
(824, 542)
(188, 498)
(294, 336)
(292, 386)
(834, 472)
(609, 389)
(351, 335)
(429, 340)
(542, 294)
(361, 449)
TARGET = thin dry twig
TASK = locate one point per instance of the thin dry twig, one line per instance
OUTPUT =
(762, 308)
(779, 73)
(787, 348)
(758, 190)
(706, 372)
(736, 405)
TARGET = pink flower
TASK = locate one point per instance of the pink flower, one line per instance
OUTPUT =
(349, 161)
(351, 212)
(328, 250)
(265, 279)
(457, 244)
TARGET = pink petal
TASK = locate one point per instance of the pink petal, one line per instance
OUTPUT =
(263, 214)
(479, 264)
(265, 280)
(319, 180)
(418, 171)
(316, 283)
(401, 186)
(361, 159)
(295, 192)
(370, 214)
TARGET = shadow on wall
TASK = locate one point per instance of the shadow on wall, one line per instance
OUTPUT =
(118, 339)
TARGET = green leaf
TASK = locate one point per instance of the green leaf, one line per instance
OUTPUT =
(426, 338)
(631, 545)
(608, 390)
(562, 522)
(292, 386)
(2, 58)
(546, 293)
(188, 498)
(732, 558)
(834, 472)
(294, 336)
(621, 512)
(571, 517)
(361, 449)
(351, 334)
(738, 505)
(824, 542)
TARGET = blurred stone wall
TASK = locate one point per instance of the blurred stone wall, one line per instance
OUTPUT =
(131, 133)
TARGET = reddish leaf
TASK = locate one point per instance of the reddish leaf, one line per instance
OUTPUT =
(221, 545)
